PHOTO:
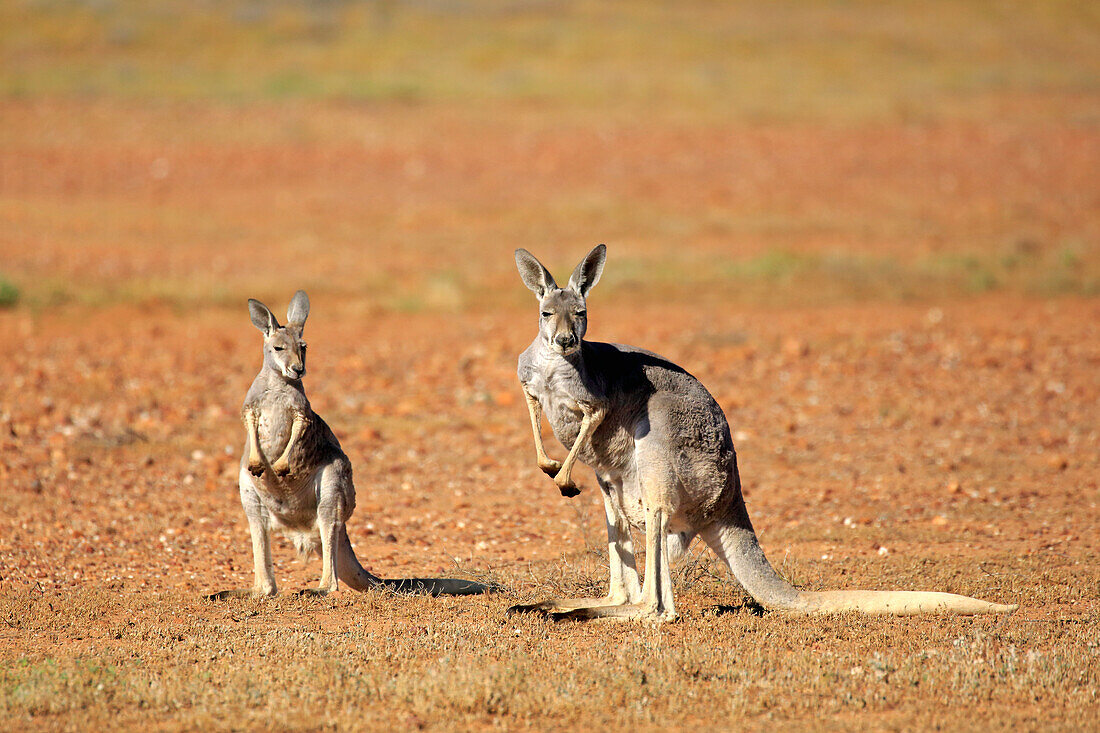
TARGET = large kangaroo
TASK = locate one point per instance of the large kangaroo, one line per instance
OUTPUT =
(661, 449)
(306, 490)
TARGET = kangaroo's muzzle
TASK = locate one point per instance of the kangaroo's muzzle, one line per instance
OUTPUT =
(565, 342)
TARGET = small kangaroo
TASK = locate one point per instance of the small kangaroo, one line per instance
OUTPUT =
(664, 460)
(306, 491)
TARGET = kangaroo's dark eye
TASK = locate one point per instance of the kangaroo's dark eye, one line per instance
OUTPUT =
(279, 348)
(581, 314)
(546, 315)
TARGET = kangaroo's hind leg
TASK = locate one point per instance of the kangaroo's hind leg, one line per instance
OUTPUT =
(333, 485)
(258, 528)
(656, 602)
(659, 486)
(624, 585)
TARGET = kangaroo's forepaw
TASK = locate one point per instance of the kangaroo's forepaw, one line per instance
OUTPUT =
(281, 468)
(550, 467)
(564, 482)
(256, 468)
(577, 614)
(567, 488)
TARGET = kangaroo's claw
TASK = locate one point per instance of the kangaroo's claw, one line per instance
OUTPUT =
(256, 469)
(281, 468)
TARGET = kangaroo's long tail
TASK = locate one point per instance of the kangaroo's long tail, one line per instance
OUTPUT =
(436, 586)
(351, 572)
(737, 545)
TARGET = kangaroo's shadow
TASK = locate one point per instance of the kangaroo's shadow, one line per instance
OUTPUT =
(750, 607)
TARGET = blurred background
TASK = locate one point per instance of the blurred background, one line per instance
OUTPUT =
(871, 229)
(822, 209)
(394, 152)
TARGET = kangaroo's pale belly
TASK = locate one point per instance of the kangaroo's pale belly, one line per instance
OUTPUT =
(290, 500)
(565, 421)
(561, 410)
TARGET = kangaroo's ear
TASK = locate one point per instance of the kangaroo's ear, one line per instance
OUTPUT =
(298, 311)
(588, 271)
(535, 276)
(262, 317)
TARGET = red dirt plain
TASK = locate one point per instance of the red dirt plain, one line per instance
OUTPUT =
(913, 418)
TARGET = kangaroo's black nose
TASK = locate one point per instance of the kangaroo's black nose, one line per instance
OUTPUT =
(566, 340)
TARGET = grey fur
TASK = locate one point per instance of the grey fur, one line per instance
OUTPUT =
(298, 310)
(306, 490)
(587, 273)
(262, 317)
(664, 459)
(534, 275)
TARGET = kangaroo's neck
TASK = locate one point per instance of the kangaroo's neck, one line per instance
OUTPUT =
(551, 360)
(574, 375)
(271, 381)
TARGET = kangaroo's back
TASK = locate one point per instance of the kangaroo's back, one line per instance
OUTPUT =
(642, 389)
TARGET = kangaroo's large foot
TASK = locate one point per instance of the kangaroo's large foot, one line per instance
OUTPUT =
(224, 595)
(563, 605)
(542, 608)
(629, 612)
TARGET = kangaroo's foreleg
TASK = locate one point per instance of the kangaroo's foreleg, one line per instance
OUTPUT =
(252, 428)
(281, 466)
(534, 408)
(564, 479)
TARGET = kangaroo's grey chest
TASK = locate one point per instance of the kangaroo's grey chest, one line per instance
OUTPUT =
(275, 411)
(559, 390)
(274, 424)
(564, 415)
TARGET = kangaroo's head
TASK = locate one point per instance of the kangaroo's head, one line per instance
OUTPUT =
(284, 349)
(563, 317)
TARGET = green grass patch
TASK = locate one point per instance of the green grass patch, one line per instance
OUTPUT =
(786, 277)
(775, 277)
(784, 59)
(9, 293)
